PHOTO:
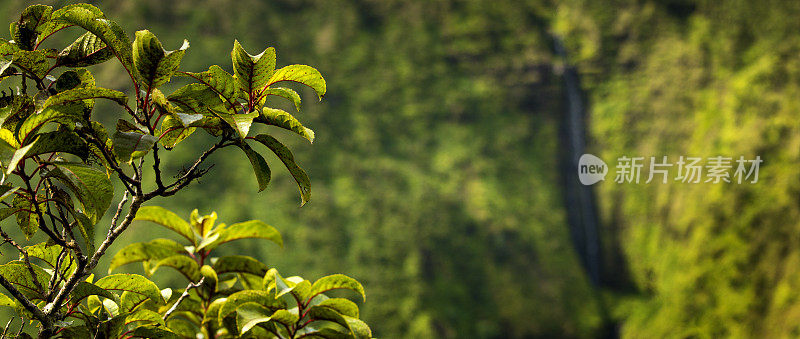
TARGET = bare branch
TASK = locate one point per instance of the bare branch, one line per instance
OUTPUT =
(183, 296)
(26, 303)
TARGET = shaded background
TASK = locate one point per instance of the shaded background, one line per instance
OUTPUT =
(439, 176)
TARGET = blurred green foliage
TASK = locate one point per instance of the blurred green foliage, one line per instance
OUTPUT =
(435, 168)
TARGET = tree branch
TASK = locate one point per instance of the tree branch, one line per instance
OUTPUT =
(183, 296)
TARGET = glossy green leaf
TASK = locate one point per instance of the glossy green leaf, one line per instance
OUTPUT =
(19, 154)
(154, 66)
(49, 254)
(243, 230)
(130, 145)
(6, 301)
(27, 219)
(341, 305)
(91, 186)
(144, 316)
(282, 119)
(74, 78)
(26, 30)
(16, 272)
(91, 19)
(251, 314)
(132, 283)
(33, 63)
(60, 115)
(87, 50)
(153, 332)
(303, 74)
(173, 131)
(195, 98)
(163, 217)
(62, 140)
(155, 250)
(85, 289)
(252, 71)
(286, 156)
(357, 328)
(284, 92)
(337, 281)
(220, 81)
(239, 122)
(181, 263)
(54, 25)
(260, 166)
(240, 264)
(239, 298)
(78, 94)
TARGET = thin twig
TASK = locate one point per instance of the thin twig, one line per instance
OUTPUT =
(183, 296)
(5, 330)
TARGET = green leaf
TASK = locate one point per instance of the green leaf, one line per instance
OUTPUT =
(6, 301)
(26, 30)
(251, 314)
(85, 289)
(27, 219)
(91, 19)
(273, 281)
(337, 281)
(155, 249)
(357, 328)
(240, 264)
(54, 25)
(303, 74)
(91, 186)
(341, 305)
(87, 50)
(239, 298)
(130, 145)
(252, 71)
(239, 122)
(162, 216)
(74, 78)
(173, 131)
(16, 272)
(79, 94)
(62, 140)
(284, 92)
(153, 332)
(132, 283)
(221, 82)
(181, 263)
(19, 154)
(286, 156)
(260, 166)
(243, 230)
(154, 66)
(144, 315)
(4, 65)
(282, 119)
(34, 122)
(32, 62)
(195, 98)
(50, 255)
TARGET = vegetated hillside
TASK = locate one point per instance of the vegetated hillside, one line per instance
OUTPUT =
(435, 175)
(697, 78)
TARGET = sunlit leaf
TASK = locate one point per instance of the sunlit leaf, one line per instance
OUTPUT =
(337, 281)
(303, 74)
(132, 283)
(153, 65)
(282, 119)
(91, 186)
(163, 217)
(286, 156)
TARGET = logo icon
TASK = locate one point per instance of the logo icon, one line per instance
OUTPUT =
(591, 169)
